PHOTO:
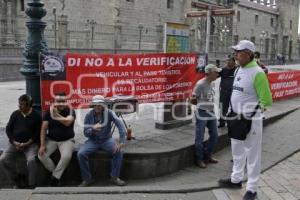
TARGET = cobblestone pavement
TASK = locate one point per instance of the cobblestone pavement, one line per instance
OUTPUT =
(281, 182)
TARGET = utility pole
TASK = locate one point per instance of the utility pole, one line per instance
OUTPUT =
(55, 34)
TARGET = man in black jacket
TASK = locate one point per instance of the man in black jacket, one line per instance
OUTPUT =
(227, 77)
(22, 130)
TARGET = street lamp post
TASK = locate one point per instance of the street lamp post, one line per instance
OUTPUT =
(225, 32)
(92, 23)
(55, 35)
(208, 25)
(34, 45)
(140, 27)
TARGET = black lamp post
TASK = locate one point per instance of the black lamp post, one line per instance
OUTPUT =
(34, 45)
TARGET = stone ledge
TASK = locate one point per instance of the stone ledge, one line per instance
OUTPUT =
(136, 164)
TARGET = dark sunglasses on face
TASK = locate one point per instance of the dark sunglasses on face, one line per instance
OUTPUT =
(60, 101)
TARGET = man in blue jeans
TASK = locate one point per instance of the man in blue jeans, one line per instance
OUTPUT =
(97, 128)
(205, 116)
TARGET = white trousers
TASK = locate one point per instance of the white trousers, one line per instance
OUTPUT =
(248, 151)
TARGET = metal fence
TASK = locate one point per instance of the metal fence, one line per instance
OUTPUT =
(86, 35)
(91, 35)
(103, 38)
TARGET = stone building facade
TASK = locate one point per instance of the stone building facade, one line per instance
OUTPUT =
(271, 25)
(123, 24)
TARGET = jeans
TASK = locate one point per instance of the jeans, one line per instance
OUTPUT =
(205, 119)
(8, 161)
(92, 146)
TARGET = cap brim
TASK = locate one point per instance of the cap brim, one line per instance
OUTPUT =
(219, 70)
(237, 48)
(97, 103)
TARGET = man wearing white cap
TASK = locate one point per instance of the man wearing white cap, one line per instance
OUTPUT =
(205, 116)
(97, 128)
(250, 89)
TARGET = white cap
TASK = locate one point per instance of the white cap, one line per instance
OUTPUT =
(244, 44)
(211, 68)
(97, 99)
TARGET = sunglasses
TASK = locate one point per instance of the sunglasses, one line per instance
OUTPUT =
(60, 101)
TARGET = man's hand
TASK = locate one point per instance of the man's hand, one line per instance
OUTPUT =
(42, 150)
(54, 112)
(118, 147)
(17, 145)
(23, 145)
(97, 127)
(263, 109)
(193, 100)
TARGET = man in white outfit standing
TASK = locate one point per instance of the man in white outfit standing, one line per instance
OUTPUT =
(250, 88)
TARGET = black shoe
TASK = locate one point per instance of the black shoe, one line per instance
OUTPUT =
(228, 184)
(117, 181)
(211, 160)
(86, 183)
(54, 182)
(20, 182)
(221, 125)
(31, 187)
(250, 195)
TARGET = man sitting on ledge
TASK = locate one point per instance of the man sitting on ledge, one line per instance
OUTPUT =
(23, 130)
(57, 132)
(97, 128)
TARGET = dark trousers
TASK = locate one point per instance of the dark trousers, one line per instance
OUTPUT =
(225, 96)
(8, 162)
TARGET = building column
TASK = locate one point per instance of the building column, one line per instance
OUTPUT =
(1, 22)
(63, 31)
(159, 38)
(9, 37)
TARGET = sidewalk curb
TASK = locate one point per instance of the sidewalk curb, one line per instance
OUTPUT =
(187, 188)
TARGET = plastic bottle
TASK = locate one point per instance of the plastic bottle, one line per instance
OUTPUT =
(129, 133)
